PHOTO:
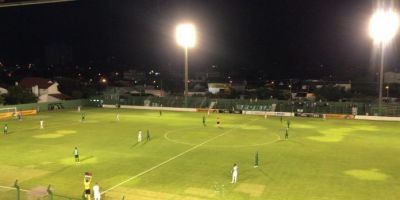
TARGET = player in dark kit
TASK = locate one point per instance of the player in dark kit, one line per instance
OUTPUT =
(5, 129)
(148, 135)
(204, 120)
(287, 134)
(82, 117)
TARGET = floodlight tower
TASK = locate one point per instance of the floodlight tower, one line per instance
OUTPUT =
(383, 27)
(186, 37)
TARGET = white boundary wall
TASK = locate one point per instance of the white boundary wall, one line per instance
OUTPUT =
(283, 114)
(377, 118)
(153, 108)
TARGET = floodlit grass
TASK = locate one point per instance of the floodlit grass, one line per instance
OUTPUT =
(323, 159)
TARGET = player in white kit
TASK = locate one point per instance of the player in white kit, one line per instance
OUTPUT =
(234, 173)
(139, 137)
(96, 192)
(41, 124)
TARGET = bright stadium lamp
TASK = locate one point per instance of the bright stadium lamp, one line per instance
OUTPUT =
(186, 37)
(383, 27)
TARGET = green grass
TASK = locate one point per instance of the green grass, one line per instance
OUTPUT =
(323, 159)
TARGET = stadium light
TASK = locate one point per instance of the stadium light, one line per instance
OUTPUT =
(383, 27)
(186, 37)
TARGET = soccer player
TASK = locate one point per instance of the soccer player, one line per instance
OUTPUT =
(41, 124)
(287, 134)
(204, 120)
(96, 192)
(160, 113)
(117, 116)
(281, 119)
(256, 160)
(5, 129)
(218, 122)
(139, 137)
(19, 116)
(234, 173)
(148, 135)
(76, 155)
(82, 117)
(86, 183)
(288, 123)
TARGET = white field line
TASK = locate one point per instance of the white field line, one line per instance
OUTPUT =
(220, 146)
(13, 188)
(170, 159)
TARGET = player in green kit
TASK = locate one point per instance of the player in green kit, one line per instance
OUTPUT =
(5, 129)
(287, 134)
(256, 160)
(281, 119)
(148, 135)
(288, 123)
(204, 120)
(82, 117)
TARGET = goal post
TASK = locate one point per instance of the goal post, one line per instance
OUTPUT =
(8, 112)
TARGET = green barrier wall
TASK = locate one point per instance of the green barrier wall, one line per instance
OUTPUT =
(259, 105)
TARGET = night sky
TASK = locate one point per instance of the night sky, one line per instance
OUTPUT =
(279, 39)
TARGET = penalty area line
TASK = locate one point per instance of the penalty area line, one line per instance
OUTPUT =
(170, 159)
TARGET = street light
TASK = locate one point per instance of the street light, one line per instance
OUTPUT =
(290, 90)
(383, 27)
(186, 37)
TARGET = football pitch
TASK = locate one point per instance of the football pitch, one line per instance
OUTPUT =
(321, 160)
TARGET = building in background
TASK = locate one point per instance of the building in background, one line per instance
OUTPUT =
(45, 89)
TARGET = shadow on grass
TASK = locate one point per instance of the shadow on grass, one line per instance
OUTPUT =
(137, 143)
(264, 173)
(86, 158)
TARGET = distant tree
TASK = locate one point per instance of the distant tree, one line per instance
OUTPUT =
(68, 86)
(77, 94)
(262, 93)
(332, 93)
(233, 94)
(1, 99)
(18, 95)
(88, 92)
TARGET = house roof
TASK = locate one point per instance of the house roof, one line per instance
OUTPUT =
(60, 96)
(42, 83)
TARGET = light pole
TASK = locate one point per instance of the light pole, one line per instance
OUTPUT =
(290, 90)
(186, 37)
(383, 27)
